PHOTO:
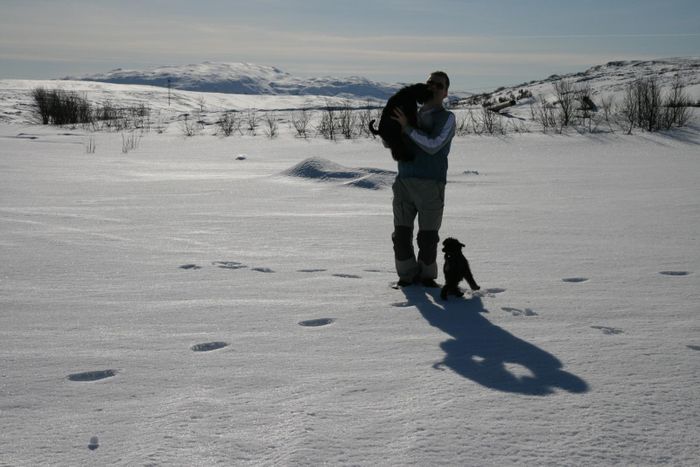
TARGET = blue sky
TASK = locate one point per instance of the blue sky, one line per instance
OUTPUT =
(481, 44)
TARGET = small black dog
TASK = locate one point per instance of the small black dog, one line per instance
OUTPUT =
(456, 268)
(390, 130)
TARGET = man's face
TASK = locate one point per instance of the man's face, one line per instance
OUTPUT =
(438, 85)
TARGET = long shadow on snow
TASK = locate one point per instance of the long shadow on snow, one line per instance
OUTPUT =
(480, 350)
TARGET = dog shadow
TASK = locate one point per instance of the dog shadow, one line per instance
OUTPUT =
(485, 353)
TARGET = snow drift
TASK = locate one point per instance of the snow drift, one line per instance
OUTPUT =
(319, 169)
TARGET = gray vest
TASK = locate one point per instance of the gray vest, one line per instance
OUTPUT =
(428, 166)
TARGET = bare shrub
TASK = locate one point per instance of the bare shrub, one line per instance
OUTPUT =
(462, 127)
(189, 126)
(677, 105)
(301, 120)
(473, 122)
(648, 94)
(90, 145)
(518, 126)
(228, 124)
(607, 104)
(628, 109)
(252, 121)
(202, 104)
(328, 126)
(533, 111)
(41, 105)
(545, 114)
(566, 97)
(59, 107)
(130, 141)
(488, 120)
(109, 115)
(140, 117)
(271, 126)
(363, 117)
(346, 122)
(644, 107)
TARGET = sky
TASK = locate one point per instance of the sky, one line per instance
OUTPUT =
(480, 44)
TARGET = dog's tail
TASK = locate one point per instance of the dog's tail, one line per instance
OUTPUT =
(372, 129)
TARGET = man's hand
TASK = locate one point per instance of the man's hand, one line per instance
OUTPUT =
(400, 117)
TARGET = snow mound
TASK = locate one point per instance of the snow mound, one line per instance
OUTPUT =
(319, 169)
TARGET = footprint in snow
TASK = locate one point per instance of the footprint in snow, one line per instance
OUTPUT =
(694, 347)
(190, 266)
(608, 330)
(208, 346)
(312, 270)
(94, 443)
(347, 276)
(575, 280)
(229, 264)
(492, 292)
(267, 270)
(402, 304)
(23, 136)
(518, 311)
(92, 375)
(316, 322)
(674, 273)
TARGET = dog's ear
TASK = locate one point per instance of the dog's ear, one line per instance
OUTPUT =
(421, 92)
(425, 93)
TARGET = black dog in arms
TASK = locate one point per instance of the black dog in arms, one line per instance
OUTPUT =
(390, 130)
(456, 268)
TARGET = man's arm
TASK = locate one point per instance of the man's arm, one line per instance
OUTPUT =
(433, 143)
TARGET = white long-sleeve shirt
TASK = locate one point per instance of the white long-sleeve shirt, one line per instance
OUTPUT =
(431, 143)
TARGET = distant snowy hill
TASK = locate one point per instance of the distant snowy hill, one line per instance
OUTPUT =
(245, 78)
(612, 77)
(218, 87)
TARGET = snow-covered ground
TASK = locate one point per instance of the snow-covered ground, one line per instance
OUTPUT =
(582, 348)
(17, 105)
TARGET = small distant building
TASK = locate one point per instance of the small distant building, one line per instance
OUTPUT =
(587, 104)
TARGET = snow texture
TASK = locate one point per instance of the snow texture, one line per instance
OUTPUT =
(130, 262)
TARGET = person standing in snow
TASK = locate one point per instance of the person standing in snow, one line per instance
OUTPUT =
(419, 188)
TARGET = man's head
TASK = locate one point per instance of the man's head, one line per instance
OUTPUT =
(439, 83)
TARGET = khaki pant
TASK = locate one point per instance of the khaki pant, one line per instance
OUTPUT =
(425, 199)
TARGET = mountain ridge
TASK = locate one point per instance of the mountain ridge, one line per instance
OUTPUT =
(610, 78)
(244, 78)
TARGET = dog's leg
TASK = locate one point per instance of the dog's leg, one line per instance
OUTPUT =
(470, 278)
(451, 289)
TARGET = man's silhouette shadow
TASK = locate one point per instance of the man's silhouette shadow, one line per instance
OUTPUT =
(480, 350)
